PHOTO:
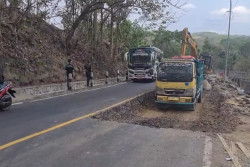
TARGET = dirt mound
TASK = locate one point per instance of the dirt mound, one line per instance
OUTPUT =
(213, 115)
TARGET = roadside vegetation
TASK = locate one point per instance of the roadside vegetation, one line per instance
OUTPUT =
(216, 44)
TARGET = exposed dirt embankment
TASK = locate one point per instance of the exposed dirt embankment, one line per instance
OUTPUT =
(213, 115)
(36, 54)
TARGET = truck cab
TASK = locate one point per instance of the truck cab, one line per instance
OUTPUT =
(179, 82)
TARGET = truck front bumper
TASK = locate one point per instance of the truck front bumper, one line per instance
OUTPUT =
(174, 100)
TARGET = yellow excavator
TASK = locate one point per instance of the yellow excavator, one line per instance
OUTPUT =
(187, 39)
(180, 79)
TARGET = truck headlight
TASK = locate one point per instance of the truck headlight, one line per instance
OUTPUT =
(189, 92)
(160, 91)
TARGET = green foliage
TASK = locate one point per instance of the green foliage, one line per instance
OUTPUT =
(169, 42)
(242, 64)
(245, 49)
(239, 51)
(133, 35)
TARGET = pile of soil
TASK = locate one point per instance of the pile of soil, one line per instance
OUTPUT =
(213, 115)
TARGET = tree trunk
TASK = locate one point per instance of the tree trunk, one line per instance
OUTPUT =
(73, 9)
(101, 28)
(111, 33)
(5, 3)
(29, 9)
(1, 17)
(75, 25)
(13, 9)
(94, 40)
(91, 28)
(118, 38)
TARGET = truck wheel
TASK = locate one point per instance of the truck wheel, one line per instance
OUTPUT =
(200, 98)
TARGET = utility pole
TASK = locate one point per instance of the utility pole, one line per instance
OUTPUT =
(228, 38)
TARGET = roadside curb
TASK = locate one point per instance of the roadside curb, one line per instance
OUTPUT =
(44, 91)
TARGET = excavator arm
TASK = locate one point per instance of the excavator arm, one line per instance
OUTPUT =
(187, 39)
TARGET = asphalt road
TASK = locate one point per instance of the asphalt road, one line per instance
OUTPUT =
(94, 143)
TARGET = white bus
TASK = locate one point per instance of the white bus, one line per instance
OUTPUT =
(143, 62)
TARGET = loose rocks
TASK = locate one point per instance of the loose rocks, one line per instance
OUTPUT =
(206, 85)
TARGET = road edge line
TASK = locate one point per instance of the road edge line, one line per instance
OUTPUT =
(207, 152)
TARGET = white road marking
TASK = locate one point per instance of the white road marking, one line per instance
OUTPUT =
(75, 92)
(14, 104)
(207, 152)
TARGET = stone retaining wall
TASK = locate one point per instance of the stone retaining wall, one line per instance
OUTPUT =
(27, 93)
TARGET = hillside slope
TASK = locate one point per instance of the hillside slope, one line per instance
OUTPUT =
(215, 38)
(38, 56)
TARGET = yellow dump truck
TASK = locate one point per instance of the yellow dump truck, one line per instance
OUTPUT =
(179, 79)
(179, 82)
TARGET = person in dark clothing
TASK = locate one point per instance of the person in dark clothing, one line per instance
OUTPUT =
(88, 72)
(69, 72)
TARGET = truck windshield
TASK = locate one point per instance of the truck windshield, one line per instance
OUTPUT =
(175, 72)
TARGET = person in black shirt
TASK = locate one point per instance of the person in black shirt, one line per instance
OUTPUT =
(88, 72)
(69, 72)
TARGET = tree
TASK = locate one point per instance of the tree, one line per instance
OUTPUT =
(245, 50)
(153, 11)
(132, 35)
(169, 42)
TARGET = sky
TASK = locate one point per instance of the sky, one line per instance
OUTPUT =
(213, 16)
(208, 16)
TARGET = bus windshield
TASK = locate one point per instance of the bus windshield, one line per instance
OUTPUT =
(140, 59)
(175, 72)
(140, 56)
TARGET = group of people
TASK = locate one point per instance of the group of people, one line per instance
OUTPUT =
(69, 72)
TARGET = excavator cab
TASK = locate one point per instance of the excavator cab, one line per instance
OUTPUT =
(208, 61)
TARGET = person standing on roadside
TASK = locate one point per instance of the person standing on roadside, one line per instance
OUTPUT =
(69, 72)
(88, 72)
